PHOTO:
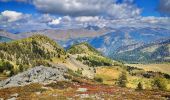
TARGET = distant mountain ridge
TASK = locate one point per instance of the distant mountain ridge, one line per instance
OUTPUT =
(8, 35)
(107, 40)
(153, 52)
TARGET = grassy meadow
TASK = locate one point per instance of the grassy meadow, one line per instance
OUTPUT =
(164, 68)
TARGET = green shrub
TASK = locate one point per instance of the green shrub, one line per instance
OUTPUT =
(94, 61)
(5, 65)
(79, 71)
(21, 68)
(98, 79)
(159, 84)
(12, 73)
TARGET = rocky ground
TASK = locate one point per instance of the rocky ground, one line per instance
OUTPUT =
(78, 89)
(58, 83)
(38, 74)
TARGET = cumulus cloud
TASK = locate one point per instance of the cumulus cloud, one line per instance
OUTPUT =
(11, 16)
(88, 8)
(123, 11)
(164, 7)
(55, 21)
(19, 22)
(87, 18)
(72, 7)
(75, 8)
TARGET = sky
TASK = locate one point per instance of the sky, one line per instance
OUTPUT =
(29, 15)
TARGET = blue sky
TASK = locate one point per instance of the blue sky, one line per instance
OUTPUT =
(53, 14)
(17, 6)
(149, 7)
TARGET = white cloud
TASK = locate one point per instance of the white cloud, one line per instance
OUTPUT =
(11, 16)
(47, 21)
(55, 21)
(87, 18)
(45, 18)
(123, 11)
(88, 8)
(72, 7)
(66, 19)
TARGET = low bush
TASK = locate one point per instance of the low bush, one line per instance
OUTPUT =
(98, 79)
(159, 84)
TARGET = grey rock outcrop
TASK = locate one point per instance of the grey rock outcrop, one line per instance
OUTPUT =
(38, 74)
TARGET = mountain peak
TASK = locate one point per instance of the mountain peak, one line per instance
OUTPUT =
(82, 48)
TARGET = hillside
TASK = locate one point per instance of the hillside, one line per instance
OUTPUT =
(82, 48)
(88, 55)
(153, 52)
(82, 69)
(32, 51)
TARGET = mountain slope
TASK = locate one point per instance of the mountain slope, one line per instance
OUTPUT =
(88, 55)
(82, 48)
(32, 51)
(65, 34)
(109, 41)
(154, 52)
(123, 40)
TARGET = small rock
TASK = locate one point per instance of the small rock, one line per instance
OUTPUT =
(81, 89)
(84, 96)
(38, 93)
(15, 95)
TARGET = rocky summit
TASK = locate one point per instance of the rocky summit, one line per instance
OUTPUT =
(39, 74)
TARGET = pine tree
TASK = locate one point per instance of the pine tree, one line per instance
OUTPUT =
(139, 86)
(122, 80)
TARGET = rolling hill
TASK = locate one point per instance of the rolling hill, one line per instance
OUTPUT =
(89, 55)
(29, 52)
(83, 48)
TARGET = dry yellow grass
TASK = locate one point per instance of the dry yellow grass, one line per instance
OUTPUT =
(134, 80)
(108, 74)
(164, 68)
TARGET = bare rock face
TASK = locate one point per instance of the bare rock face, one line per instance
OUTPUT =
(38, 74)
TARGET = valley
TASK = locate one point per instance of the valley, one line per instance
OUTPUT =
(84, 49)
(79, 72)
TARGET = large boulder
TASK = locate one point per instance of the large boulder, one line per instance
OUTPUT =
(39, 74)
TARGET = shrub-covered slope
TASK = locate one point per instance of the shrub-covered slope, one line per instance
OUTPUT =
(32, 51)
(82, 48)
(88, 55)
